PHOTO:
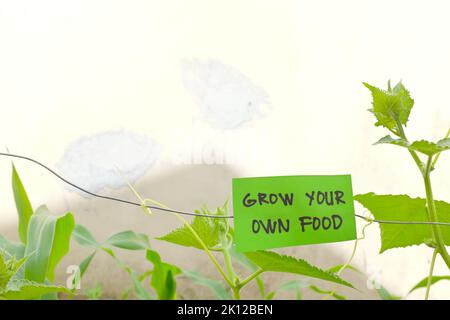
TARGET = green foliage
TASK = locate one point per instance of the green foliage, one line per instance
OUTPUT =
(13, 287)
(271, 261)
(424, 282)
(384, 294)
(391, 106)
(48, 242)
(403, 208)
(94, 293)
(217, 287)
(23, 205)
(163, 276)
(426, 147)
(210, 230)
(45, 241)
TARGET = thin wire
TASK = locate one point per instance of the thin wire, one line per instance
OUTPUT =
(107, 197)
(190, 213)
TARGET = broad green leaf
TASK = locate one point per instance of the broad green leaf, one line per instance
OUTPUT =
(424, 282)
(12, 248)
(48, 241)
(423, 146)
(84, 237)
(390, 106)
(404, 208)
(208, 229)
(27, 290)
(332, 293)
(220, 292)
(23, 205)
(129, 240)
(163, 276)
(271, 261)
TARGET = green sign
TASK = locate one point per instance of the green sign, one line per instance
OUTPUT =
(274, 212)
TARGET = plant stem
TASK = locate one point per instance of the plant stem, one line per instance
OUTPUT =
(249, 278)
(430, 276)
(432, 215)
(229, 264)
(413, 154)
(436, 157)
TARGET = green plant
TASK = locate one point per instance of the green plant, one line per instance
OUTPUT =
(28, 272)
(392, 108)
(162, 276)
(212, 234)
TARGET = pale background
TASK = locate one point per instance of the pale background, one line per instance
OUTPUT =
(75, 68)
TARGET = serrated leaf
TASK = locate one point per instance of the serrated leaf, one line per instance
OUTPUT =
(129, 240)
(163, 276)
(220, 292)
(426, 147)
(48, 241)
(271, 261)
(390, 106)
(404, 208)
(84, 237)
(27, 290)
(424, 282)
(208, 229)
(23, 205)
(8, 269)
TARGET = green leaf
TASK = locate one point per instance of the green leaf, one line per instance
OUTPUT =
(83, 268)
(163, 276)
(23, 205)
(94, 293)
(84, 237)
(338, 267)
(12, 248)
(293, 285)
(335, 295)
(140, 291)
(424, 282)
(48, 241)
(220, 292)
(271, 261)
(426, 147)
(403, 208)
(27, 290)
(8, 269)
(208, 229)
(129, 240)
(390, 106)
(386, 295)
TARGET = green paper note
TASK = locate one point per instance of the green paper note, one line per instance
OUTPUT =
(275, 212)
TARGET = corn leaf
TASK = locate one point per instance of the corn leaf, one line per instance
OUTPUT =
(23, 205)
(48, 242)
